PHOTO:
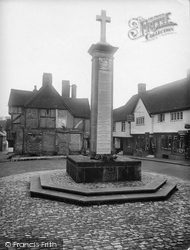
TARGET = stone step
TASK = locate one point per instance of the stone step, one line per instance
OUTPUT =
(36, 190)
(47, 183)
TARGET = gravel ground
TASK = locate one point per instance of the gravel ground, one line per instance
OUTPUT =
(33, 223)
(62, 178)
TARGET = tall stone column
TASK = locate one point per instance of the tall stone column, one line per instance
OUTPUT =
(102, 92)
(101, 98)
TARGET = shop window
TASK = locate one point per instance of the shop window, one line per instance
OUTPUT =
(175, 144)
(169, 142)
(166, 142)
(163, 142)
(181, 142)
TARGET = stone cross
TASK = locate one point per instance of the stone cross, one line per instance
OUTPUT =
(103, 19)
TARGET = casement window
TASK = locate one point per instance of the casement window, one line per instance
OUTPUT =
(114, 127)
(176, 116)
(140, 120)
(122, 126)
(161, 117)
(47, 112)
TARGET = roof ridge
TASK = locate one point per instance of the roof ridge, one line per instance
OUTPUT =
(33, 97)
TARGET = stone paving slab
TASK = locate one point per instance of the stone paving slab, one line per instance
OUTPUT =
(139, 226)
(47, 183)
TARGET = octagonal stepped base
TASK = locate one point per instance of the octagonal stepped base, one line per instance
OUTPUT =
(43, 187)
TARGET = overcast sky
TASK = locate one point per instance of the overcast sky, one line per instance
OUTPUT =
(54, 36)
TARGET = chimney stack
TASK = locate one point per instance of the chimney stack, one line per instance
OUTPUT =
(35, 88)
(141, 88)
(46, 79)
(65, 88)
(74, 91)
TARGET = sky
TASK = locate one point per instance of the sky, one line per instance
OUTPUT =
(54, 36)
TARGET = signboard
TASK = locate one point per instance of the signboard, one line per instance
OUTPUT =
(130, 118)
(182, 132)
(187, 126)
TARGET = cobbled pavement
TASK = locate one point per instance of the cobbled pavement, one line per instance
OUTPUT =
(138, 226)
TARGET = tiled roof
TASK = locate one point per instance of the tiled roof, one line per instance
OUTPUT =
(78, 106)
(169, 97)
(18, 97)
(166, 98)
(120, 114)
(48, 98)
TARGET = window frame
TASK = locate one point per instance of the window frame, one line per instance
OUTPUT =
(123, 126)
(140, 121)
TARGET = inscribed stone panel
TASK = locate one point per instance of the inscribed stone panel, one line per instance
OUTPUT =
(104, 113)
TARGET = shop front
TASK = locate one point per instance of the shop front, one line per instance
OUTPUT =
(172, 145)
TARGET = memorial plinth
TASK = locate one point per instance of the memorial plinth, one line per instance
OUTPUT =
(83, 169)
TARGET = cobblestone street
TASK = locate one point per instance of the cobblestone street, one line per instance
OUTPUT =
(140, 225)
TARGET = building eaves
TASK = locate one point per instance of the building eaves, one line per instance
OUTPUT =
(18, 98)
(78, 106)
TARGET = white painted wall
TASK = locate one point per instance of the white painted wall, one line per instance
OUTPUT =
(151, 123)
(171, 126)
(140, 111)
(119, 133)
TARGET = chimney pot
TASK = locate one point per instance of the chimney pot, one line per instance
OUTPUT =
(141, 88)
(47, 79)
(65, 88)
(35, 88)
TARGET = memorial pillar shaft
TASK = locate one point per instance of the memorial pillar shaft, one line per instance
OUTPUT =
(101, 135)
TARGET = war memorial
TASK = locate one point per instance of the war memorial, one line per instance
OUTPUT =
(101, 165)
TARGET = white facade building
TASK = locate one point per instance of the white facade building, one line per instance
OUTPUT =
(161, 122)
